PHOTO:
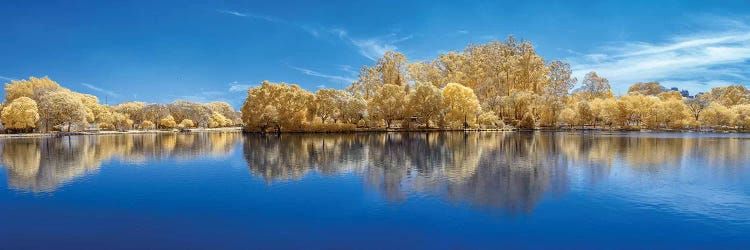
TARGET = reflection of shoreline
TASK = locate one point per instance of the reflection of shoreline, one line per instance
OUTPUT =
(44, 164)
(507, 171)
(129, 132)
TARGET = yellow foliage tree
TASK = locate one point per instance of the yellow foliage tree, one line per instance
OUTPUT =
(275, 105)
(26, 88)
(717, 115)
(20, 115)
(426, 103)
(186, 123)
(168, 122)
(388, 104)
(461, 105)
(61, 108)
(742, 116)
(147, 124)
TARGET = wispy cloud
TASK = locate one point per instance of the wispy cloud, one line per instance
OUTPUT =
(335, 78)
(239, 87)
(370, 47)
(462, 32)
(7, 78)
(232, 12)
(695, 62)
(252, 15)
(100, 90)
(349, 70)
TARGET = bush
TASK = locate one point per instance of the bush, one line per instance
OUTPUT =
(147, 124)
(488, 120)
(186, 123)
(106, 126)
(527, 122)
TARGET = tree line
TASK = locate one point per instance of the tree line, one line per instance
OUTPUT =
(497, 85)
(42, 105)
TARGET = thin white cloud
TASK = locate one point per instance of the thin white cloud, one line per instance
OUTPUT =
(462, 32)
(100, 90)
(349, 70)
(8, 78)
(695, 62)
(231, 12)
(254, 16)
(370, 47)
(335, 78)
(238, 87)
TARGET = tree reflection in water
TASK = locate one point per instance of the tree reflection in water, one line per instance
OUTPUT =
(43, 165)
(505, 172)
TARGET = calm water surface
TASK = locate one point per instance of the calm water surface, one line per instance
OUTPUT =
(382, 191)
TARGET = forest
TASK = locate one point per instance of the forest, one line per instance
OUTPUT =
(42, 105)
(500, 85)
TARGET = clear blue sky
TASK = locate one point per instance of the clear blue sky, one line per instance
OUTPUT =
(158, 51)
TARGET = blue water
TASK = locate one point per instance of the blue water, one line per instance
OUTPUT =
(377, 191)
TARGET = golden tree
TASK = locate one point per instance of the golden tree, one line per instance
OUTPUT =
(426, 103)
(28, 87)
(648, 88)
(147, 124)
(21, 115)
(168, 122)
(61, 108)
(278, 105)
(186, 123)
(595, 86)
(461, 105)
(388, 104)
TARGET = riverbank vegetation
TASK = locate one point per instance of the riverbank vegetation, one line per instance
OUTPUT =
(497, 85)
(493, 86)
(42, 105)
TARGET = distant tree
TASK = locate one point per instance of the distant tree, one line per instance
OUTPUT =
(596, 87)
(648, 88)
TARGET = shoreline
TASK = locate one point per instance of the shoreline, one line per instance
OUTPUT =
(378, 130)
(172, 131)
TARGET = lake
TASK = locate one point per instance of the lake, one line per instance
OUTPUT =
(453, 190)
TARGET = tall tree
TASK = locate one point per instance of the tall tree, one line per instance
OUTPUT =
(388, 104)
(461, 104)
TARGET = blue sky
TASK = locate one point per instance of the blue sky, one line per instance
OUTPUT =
(159, 51)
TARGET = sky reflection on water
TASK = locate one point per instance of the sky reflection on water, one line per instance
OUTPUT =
(499, 188)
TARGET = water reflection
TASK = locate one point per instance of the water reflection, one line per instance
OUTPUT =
(498, 172)
(42, 165)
